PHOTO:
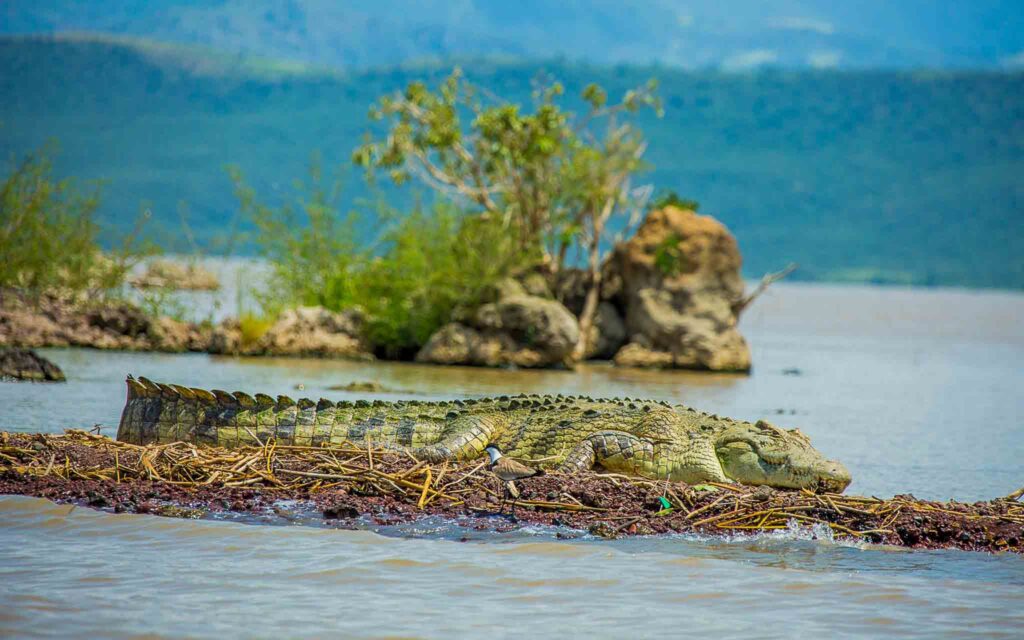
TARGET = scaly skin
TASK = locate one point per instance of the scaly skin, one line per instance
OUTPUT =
(637, 437)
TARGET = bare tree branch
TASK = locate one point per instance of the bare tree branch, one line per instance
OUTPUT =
(766, 281)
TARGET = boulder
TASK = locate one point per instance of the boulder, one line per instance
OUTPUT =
(533, 322)
(454, 343)
(226, 339)
(535, 284)
(636, 355)
(607, 333)
(168, 334)
(678, 279)
(25, 364)
(517, 330)
(316, 331)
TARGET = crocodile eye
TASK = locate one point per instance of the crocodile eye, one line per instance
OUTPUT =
(740, 447)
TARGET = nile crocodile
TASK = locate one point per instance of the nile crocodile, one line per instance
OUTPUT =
(637, 437)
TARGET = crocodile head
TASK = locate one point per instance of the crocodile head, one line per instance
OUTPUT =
(762, 453)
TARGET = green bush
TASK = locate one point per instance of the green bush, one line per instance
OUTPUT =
(309, 244)
(425, 268)
(48, 233)
(432, 267)
(669, 259)
(253, 327)
(672, 199)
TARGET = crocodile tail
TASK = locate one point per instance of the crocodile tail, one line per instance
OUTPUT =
(124, 427)
(162, 413)
(143, 400)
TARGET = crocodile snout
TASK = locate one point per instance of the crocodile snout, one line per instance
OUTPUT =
(836, 477)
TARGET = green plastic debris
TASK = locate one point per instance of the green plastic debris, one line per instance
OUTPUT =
(705, 487)
(666, 506)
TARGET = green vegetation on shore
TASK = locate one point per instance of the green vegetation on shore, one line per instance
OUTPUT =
(533, 183)
(421, 271)
(553, 178)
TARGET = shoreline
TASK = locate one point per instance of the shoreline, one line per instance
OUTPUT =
(179, 480)
(940, 310)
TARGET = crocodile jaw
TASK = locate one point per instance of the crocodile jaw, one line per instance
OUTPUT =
(763, 454)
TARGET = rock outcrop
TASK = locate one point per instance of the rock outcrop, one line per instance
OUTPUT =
(668, 300)
(301, 332)
(25, 364)
(52, 322)
(670, 297)
(315, 331)
(518, 329)
(55, 322)
(677, 281)
(607, 334)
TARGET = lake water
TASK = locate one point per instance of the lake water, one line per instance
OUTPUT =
(916, 391)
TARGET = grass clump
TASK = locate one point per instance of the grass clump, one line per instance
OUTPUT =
(253, 327)
(673, 199)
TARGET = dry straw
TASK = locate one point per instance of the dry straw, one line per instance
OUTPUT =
(365, 469)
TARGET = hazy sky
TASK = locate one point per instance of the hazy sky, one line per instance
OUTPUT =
(733, 34)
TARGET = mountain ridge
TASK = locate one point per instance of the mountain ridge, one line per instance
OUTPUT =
(693, 34)
(905, 177)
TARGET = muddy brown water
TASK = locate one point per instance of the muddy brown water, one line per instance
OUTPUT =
(916, 391)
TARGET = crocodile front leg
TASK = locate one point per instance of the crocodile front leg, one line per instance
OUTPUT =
(463, 438)
(615, 451)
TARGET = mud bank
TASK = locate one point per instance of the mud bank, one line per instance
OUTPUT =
(348, 482)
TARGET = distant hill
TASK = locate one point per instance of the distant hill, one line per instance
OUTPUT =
(679, 33)
(857, 175)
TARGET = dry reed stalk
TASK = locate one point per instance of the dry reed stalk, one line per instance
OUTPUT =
(385, 471)
(426, 488)
(696, 512)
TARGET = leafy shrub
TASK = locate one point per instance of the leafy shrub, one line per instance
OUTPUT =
(157, 302)
(431, 267)
(423, 270)
(48, 233)
(309, 244)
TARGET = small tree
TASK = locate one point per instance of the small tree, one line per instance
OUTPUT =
(557, 176)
